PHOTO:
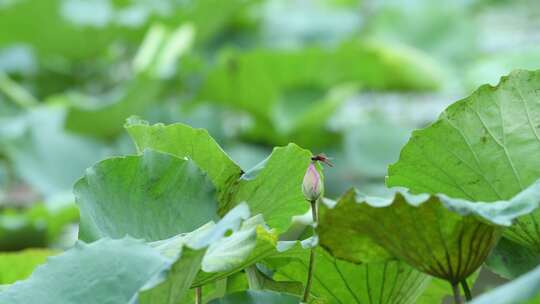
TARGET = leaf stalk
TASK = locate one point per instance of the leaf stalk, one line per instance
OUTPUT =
(457, 296)
(198, 295)
(466, 290)
(311, 266)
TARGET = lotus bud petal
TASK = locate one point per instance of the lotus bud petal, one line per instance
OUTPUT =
(312, 185)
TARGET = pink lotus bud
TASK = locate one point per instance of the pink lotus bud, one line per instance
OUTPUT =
(312, 185)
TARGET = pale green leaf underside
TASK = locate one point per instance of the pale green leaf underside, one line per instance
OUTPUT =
(483, 148)
(152, 196)
(444, 237)
(89, 274)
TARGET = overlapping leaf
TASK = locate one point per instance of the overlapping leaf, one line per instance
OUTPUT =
(184, 141)
(444, 237)
(152, 196)
(481, 148)
(272, 188)
(90, 273)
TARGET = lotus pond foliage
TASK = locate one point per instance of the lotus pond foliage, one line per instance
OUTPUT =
(269, 152)
(181, 222)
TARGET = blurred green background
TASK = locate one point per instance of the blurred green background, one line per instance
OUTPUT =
(348, 78)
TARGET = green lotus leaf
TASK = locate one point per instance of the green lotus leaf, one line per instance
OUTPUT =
(523, 290)
(256, 297)
(339, 281)
(247, 242)
(271, 188)
(106, 271)
(482, 148)
(248, 245)
(446, 238)
(274, 188)
(184, 141)
(15, 266)
(152, 196)
(511, 260)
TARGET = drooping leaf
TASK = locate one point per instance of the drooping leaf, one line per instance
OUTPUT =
(172, 285)
(152, 196)
(244, 247)
(259, 280)
(446, 238)
(511, 260)
(481, 148)
(523, 290)
(184, 141)
(256, 297)
(19, 265)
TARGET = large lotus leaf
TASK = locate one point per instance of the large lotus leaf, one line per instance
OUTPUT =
(446, 238)
(152, 196)
(15, 266)
(256, 297)
(124, 270)
(184, 141)
(338, 281)
(510, 260)
(273, 188)
(107, 271)
(481, 148)
(523, 290)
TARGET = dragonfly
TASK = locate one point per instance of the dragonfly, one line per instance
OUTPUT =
(321, 157)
